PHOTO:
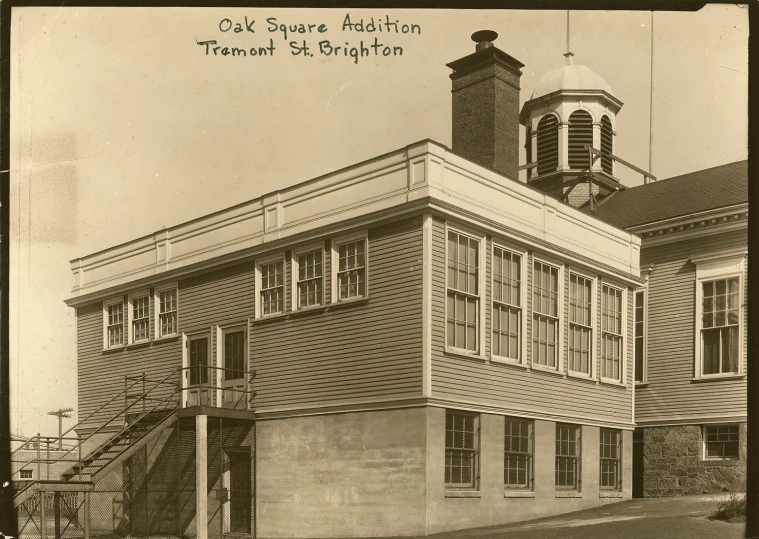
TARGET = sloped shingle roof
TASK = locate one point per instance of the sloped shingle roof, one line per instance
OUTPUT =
(703, 190)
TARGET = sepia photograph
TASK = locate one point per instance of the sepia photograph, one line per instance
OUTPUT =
(348, 273)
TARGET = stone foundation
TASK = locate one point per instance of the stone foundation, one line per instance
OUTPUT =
(673, 463)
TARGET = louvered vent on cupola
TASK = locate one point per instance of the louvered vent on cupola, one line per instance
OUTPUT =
(528, 146)
(580, 134)
(606, 145)
(548, 144)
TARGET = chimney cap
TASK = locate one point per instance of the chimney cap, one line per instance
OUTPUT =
(484, 39)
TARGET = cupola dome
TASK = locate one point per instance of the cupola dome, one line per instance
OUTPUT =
(570, 77)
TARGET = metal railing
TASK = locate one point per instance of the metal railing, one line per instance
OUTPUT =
(207, 385)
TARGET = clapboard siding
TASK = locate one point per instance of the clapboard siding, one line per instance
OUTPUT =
(371, 349)
(512, 387)
(671, 392)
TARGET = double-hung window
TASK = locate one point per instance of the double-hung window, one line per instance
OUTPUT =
(167, 306)
(139, 317)
(463, 298)
(610, 477)
(349, 267)
(507, 304)
(545, 318)
(580, 324)
(517, 454)
(568, 446)
(640, 336)
(270, 281)
(611, 333)
(113, 318)
(462, 449)
(721, 442)
(308, 276)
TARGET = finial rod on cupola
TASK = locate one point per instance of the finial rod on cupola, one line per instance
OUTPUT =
(568, 55)
(484, 39)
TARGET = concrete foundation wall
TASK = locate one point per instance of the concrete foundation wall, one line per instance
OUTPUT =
(673, 463)
(342, 475)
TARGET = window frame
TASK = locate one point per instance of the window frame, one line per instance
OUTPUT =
(335, 243)
(130, 315)
(481, 295)
(592, 353)
(577, 486)
(106, 341)
(716, 268)
(620, 441)
(522, 360)
(157, 310)
(279, 257)
(623, 337)
(21, 474)
(295, 281)
(644, 367)
(559, 316)
(704, 456)
(530, 472)
(475, 451)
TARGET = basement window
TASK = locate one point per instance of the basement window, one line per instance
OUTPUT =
(27, 474)
(610, 477)
(462, 449)
(568, 444)
(721, 442)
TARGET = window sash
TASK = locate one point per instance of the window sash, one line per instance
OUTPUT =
(545, 289)
(544, 340)
(310, 278)
(140, 318)
(26, 474)
(351, 269)
(579, 355)
(167, 309)
(272, 287)
(611, 333)
(507, 331)
(610, 454)
(461, 449)
(518, 451)
(115, 323)
(722, 441)
(463, 263)
(234, 355)
(568, 451)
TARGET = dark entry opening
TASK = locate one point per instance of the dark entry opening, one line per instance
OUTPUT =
(637, 464)
(239, 491)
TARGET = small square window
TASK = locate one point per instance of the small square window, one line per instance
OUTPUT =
(26, 474)
(721, 442)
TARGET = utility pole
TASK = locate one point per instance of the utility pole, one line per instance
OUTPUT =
(61, 413)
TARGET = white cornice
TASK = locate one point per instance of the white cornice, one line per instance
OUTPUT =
(413, 178)
(694, 225)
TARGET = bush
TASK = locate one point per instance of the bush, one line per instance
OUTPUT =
(733, 509)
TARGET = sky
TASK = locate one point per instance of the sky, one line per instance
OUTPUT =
(123, 121)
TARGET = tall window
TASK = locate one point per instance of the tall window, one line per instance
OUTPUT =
(580, 323)
(568, 445)
(548, 144)
(140, 318)
(234, 355)
(462, 449)
(721, 442)
(351, 269)
(607, 140)
(611, 333)
(310, 278)
(463, 302)
(580, 134)
(272, 288)
(507, 312)
(640, 328)
(611, 459)
(167, 311)
(517, 456)
(719, 328)
(115, 323)
(545, 306)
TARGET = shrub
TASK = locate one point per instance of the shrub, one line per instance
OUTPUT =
(732, 509)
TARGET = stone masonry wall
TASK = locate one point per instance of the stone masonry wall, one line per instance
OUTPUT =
(673, 465)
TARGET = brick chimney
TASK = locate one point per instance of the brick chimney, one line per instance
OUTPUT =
(486, 106)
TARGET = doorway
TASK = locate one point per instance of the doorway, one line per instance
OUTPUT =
(196, 378)
(637, 464)
(237, 478)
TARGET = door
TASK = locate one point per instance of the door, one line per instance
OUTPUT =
(234, 374)
(239, 490)
(637, 464)
(196, 378)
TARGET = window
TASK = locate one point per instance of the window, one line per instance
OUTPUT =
(507, 302)
(139, 317)
(719, 327)
(611, 333)
(719, 314)
(349, 260)
(721, 442)
(27, 474)
(580, 323)
(568, 444)
(545, 306)
(462, 448)
(270, 282)
(166, 299)
(607, 142)
(640, 329)
(463, 301)
(580, 134)
(234, 354)
(611, 460)
(114, 323)
(517, 454)
(308, 276)
(548, 144)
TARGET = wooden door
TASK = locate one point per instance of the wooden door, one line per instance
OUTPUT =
(234, 374)
(197, 380)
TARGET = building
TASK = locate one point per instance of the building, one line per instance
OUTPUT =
(690, 355)
(416, 343)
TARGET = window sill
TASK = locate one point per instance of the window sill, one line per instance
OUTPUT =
(641, 384)
(547, 370)
(506, 361)
(610, 494)
(348, 302)
(111, 349)
(309, 310)
(518, 494)
(270, 318)
(718, 377)
(139, 344)
(569, 494)
(462, 494)
(720, 462)
(611, 382)
(458, 352)
(580, 376)
(166, 338)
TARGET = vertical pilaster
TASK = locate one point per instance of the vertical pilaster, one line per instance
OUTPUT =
(201, 476)
(563, 146)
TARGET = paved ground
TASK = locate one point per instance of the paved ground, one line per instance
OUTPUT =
(650, 518)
